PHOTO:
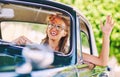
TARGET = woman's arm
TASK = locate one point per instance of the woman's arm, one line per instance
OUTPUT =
(102, 60)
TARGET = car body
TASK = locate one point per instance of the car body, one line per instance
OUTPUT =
(28, 17)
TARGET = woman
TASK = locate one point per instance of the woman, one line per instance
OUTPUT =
(57, 35)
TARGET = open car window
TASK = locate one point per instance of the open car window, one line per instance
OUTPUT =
(27, 21)
(31, 22)
(85, 43)
(84, 34)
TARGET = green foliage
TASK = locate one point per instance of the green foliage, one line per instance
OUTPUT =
(96, 10)
(99, 70)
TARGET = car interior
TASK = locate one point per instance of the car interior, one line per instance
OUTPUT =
(23, 20)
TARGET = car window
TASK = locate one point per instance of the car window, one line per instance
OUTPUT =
(35, 32)
(84, 35)
(85, 42)
(31, 22)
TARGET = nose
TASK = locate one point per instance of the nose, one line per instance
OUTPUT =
(54, 28)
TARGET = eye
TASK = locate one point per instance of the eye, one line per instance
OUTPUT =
(58, 27)
(50, 25)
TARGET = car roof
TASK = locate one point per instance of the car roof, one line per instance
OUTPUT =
(24, 13)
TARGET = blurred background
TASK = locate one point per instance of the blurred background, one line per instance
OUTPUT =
(96, 10)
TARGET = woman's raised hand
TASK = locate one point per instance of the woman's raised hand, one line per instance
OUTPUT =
(108, 26)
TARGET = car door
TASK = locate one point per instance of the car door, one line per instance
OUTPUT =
(30, 21)
(85, 44)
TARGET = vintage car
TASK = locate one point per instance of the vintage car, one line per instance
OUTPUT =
(28, 18)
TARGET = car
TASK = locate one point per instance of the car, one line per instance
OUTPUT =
(28, 18)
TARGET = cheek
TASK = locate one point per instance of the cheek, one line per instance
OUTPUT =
(65, 33)
(62, 34)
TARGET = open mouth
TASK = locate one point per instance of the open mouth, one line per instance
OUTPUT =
(53, 33)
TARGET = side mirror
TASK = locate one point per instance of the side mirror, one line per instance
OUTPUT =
(38, 56)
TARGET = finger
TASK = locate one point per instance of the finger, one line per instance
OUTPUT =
(101, 24)
(113, 22)
(27, 40)
(108, 19)
(23, 41)
(18, 42)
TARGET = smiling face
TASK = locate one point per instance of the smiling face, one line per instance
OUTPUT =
(56, 29)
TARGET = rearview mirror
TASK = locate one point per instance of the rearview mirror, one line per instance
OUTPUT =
(6, 13)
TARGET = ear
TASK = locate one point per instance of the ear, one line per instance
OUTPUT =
(64, 34)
